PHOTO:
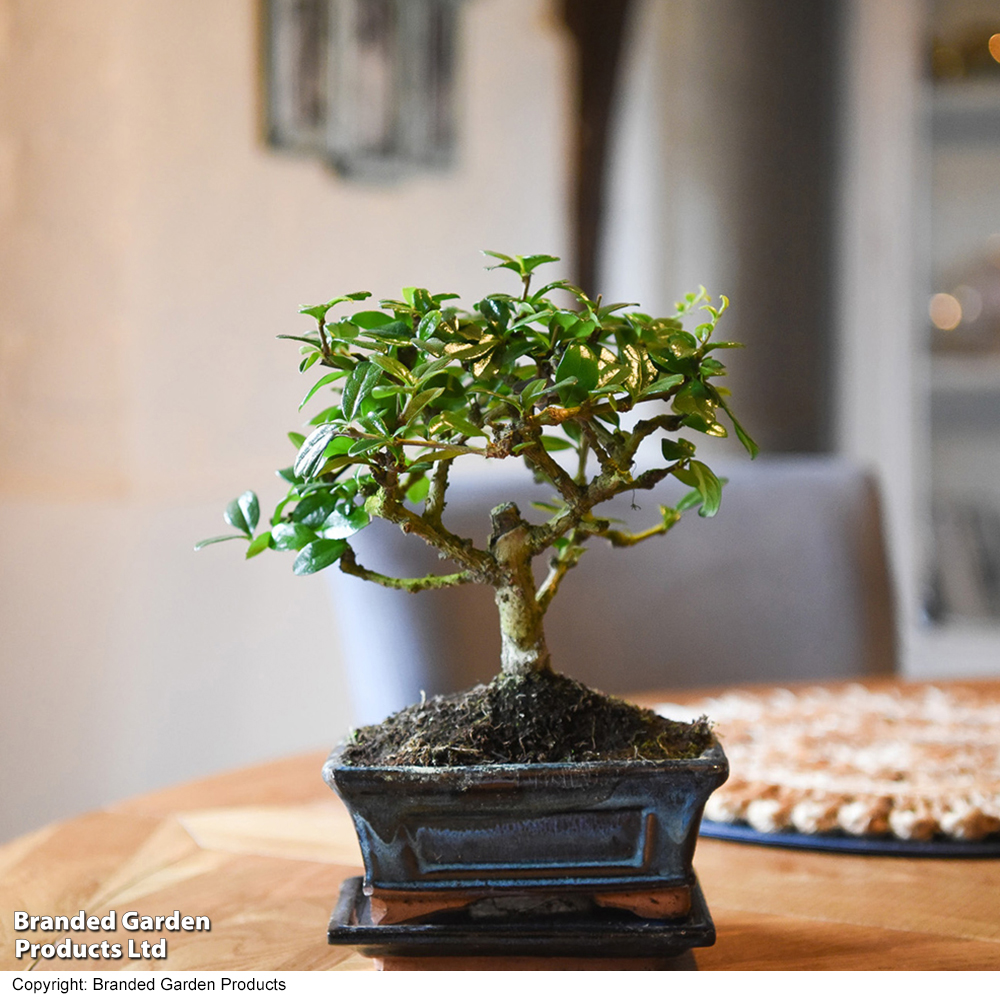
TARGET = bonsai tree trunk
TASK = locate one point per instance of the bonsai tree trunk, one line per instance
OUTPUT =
(523, 647)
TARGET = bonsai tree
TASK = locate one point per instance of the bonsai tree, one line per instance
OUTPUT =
(420, 382)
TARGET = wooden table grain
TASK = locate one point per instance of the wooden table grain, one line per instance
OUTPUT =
(262, 853)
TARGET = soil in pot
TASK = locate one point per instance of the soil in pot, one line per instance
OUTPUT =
(536, 718)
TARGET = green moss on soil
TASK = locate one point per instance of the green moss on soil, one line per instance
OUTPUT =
(539, 718)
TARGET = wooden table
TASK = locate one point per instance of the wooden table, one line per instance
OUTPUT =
(262, 853)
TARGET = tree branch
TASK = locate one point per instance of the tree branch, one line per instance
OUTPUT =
(480, 564)
(537, 457)
(593, 432)
(625, 539)
(435, 503)
(583, 451)
(642, 430)
(651, 477)
(412, 585)
(602, 487)
(559, 566)
(465, 449)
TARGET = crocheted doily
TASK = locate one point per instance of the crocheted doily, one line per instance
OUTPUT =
(914, 763)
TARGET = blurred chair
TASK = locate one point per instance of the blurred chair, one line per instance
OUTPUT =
(789, 582)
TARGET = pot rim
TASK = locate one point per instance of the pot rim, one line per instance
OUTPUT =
(712, 757)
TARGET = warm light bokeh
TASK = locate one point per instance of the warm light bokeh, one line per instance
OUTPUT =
(945, 311)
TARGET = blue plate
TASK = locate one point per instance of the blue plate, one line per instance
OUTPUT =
(840, 843)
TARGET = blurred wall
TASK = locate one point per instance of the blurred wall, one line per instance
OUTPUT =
(150, 248)
(771, 151)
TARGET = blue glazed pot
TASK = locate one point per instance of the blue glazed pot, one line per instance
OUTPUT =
(600, 826)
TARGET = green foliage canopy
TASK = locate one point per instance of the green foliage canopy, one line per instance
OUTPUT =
(420, 381)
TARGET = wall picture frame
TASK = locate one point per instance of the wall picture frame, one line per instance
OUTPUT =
(368, 85)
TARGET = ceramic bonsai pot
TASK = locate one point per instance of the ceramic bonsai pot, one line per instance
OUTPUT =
(522, 838)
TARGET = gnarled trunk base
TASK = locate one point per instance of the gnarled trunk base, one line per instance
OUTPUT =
(523, 647)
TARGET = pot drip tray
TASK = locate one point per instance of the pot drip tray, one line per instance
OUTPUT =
(598, 932)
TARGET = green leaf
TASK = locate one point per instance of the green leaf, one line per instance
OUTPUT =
(325, 380)
(259, 544)
(422, 299)
(417, 404)
(373, 420)
(428, 324)
(338, 446)
(682, 366)
(551, 443)
(243, 513)
(419, 490)
(310, 338)
(561, 283)
(605, 311)
(745, 439)
(465, 352)
(387, 389)
(694, 399)
(720, 344)
(336, 463)
(711, 368)
(310, 455)
(365, 445)
(549, 508)
(681, 344)
(344, 331)
(397, 333)
(296, 438)
(461, 424)
(663, 385)
(532, 391)
(281, 505)
(427, 371)
(307, 362)
(443, 454)
(579, 328)
(371, 319)
(704, 480)
(318, 555)
(395, 368)
(326, 416)
(519, 265)
(534, 260)
(508, 262)
(559, 386)
(579, 362)
(674, 451)
(288, 474)
(689, 501)
(289, 536)
(314, 509)
(343, 524)
(573, 431)
(359, 384)
(496, 309)
(319, 312)
(218, 538)
(542, 316)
